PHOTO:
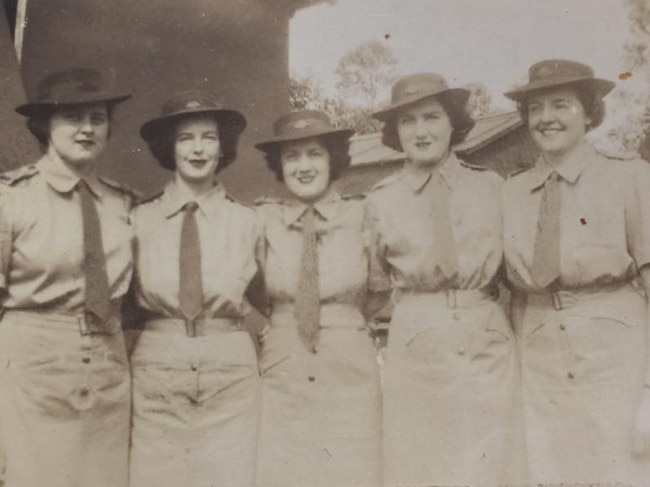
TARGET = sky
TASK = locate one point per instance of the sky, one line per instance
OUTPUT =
(488, 41)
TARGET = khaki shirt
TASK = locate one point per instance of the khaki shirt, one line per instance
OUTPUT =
(604, 220)
(41, 237)
(402, 204)
(228, 233)
(346, 259)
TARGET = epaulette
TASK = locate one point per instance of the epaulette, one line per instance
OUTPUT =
(390, 179)
(237, 201)
(13, 177)
(357, 197)
(476, 167)
(149, 198)
(619, 156)
(134, 195)
(268, 200)
(519, 170)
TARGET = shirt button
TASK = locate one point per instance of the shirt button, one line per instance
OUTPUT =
(461, 351)
(570, 375)
(84, 391)
(194, 368)
(311, 378)
(562, 327)
(86, 360)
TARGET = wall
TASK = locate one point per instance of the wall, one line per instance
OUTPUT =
(237, 49)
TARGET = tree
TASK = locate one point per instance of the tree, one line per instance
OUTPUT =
(305, 93)
(480, 100)
(365, 72)
(629, 120)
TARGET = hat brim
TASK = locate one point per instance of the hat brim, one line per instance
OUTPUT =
(458, 96)
(603, 86)
(30, 109)
(149, 129)
(273, 142)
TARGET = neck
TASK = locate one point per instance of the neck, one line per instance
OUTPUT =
(555, 159)
(193, 189)
(429, 165)
(80, 170)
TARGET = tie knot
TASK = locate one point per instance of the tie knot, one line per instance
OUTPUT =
(191, 206)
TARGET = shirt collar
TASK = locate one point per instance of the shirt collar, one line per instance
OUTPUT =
(62, 179)
(174, 201)
(570, 169)
(417, 177)
(326, 208)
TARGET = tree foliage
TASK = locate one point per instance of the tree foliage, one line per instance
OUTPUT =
(480, 100)
(366, 71)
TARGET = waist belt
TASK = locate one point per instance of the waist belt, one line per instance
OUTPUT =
(198, 327)
(568, 298)
(86, 324)
(452, 298)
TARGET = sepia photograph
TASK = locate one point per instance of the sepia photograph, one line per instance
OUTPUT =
(325, 243)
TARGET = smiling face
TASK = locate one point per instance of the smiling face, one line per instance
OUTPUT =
(78, 134)
(196, 149)
(424, 131)
(557, 121)
(305, 168)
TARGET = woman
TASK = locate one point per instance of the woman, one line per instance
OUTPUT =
(194, 368)
(320, 423)
(65, 264)
(577, 233)
(450, 370)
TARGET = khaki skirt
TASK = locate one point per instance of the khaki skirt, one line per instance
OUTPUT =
(65, 402)
(450, 391)
(583, 357)
(321, 413)
(195, 407)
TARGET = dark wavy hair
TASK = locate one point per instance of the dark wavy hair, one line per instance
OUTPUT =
(589, 97)
(39, 123)
(162, 145)
(460, 119)
(336, 145)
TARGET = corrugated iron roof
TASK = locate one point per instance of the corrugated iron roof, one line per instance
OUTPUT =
(368, 149)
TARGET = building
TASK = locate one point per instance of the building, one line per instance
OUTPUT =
(237, 49)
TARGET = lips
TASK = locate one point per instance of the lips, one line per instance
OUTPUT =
(198, 163)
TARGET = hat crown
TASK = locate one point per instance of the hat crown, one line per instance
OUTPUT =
(191, 101)
(70, 85)
(558, 69)
(302, 122)
(417, 85)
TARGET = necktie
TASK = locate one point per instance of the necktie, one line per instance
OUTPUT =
(307, 305)
(190, 294)
(546, 257)
(446, 255)
(97, 298)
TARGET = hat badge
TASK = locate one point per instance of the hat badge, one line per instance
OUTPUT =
(301, 124)
(412, 90)
(192, 104)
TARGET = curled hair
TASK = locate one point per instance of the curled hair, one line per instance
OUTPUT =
(338, 148)
(162, 144)
(590, 98)
(39, 123)
(460, 119)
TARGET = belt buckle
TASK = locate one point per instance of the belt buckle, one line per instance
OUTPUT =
(84, 320)
(190, 328)
(451, 298)
(563, 299)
